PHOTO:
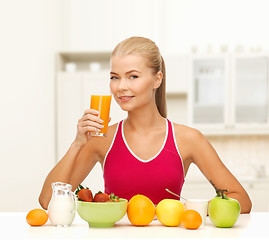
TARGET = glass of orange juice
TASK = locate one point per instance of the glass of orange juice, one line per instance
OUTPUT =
(101, 102)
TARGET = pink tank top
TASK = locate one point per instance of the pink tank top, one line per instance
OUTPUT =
(126, 175)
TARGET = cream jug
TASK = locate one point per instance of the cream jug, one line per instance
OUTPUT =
(62, 206)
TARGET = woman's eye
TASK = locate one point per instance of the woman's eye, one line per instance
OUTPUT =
(134, 77)
(113, 77)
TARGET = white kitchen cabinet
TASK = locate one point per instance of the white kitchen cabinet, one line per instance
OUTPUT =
(209, 81)
(250, 90)
(229, 94)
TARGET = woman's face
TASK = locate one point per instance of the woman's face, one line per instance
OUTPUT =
(132, 83)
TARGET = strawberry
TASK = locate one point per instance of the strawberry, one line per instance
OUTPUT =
(84, 194)
(100, 197)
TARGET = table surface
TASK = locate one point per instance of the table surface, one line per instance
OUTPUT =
(13, 225)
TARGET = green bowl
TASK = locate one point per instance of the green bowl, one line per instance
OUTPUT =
(102, 214)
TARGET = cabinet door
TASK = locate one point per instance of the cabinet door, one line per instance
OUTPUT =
(69, 110)
(251, 90)
(208, 90)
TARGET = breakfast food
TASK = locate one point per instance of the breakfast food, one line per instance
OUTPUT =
(37, 217)
(169, 212)
(101, 197)
(85, 195)
(222, 210)
(140, 210)
(191, 219)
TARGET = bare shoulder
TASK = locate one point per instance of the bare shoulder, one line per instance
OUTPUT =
(190, 141)
(183, 132)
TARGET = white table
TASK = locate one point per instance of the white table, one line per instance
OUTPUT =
(13, 225)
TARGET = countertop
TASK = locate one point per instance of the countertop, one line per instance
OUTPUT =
(13, 225)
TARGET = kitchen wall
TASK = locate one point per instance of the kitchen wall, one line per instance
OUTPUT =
(30, 35)
(210, 24)
(32, 31)
(247, 156)
(175, 25)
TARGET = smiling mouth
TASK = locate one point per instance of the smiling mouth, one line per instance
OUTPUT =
(125, 98)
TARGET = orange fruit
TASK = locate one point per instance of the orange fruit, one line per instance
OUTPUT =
(37, 217)
(140, 210)
(191, 219)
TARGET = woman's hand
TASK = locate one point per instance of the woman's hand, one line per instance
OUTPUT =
(89, 122)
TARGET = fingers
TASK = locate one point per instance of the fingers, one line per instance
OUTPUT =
(90, 122)
(91, 115)
(87, 129)
(91, 111)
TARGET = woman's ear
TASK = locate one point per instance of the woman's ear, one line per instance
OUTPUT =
(158, 80)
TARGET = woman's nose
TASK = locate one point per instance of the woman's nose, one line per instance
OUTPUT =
(123, 84)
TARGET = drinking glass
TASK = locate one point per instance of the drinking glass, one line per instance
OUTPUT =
(101, 102)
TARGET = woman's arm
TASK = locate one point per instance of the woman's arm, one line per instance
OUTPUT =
(60, 173)
(63, 170)
(207, 160)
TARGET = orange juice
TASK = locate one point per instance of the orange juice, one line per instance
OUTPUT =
(101, 103)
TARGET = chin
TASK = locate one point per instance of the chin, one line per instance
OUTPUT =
(125, 108)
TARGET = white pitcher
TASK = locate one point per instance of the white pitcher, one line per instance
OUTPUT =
(62, 206)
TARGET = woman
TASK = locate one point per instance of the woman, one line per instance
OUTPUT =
(145, 153)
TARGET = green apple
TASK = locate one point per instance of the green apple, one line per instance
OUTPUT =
(223, 211)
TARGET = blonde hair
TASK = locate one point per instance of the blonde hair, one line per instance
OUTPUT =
(149, 50)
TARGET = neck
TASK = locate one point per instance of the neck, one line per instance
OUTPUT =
(144, 119)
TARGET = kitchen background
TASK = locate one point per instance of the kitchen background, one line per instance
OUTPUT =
(54, 52)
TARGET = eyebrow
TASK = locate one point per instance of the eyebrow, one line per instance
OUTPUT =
(126, 72)
(113, 73)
